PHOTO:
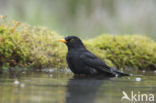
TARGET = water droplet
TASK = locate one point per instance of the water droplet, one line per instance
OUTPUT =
(138, 79)
(50, 75)
(16, 82)
(22, 85)
(116, 75)
(143, 71)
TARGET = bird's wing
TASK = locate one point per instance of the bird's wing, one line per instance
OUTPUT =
(91, 60)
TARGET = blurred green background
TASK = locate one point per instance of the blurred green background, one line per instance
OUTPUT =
(86, 18)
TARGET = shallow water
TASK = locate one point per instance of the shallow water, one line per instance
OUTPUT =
(61, 87)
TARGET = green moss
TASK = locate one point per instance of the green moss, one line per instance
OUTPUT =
(126, 51)
(44, 47)
(11, 52)
(26, 46)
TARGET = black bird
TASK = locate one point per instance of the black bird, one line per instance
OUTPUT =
(82, 61)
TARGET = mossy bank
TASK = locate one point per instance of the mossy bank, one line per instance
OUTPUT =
(23, 45)
(134, 51)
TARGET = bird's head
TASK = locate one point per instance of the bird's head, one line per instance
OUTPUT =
(72, 42)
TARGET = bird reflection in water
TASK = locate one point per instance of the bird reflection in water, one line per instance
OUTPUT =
(82, 89)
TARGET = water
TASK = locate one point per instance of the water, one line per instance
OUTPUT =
(61, 87)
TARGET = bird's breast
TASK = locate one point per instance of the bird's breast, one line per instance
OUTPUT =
(74, 62)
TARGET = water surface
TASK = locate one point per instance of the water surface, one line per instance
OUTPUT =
(61, 87)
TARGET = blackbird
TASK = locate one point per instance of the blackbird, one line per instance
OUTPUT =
(82, 61)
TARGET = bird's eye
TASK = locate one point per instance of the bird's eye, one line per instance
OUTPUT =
(71, 40)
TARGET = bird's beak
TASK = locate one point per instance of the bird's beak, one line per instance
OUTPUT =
(62, 40)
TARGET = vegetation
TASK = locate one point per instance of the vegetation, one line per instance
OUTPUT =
(25, 46)
(22, 45)
(134, 51)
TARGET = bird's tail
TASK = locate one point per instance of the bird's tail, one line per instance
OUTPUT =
(120, 74)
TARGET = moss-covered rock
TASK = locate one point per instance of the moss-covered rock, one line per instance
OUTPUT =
(126, 50)
(12, 52)
(26, 46)
(45, 50)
